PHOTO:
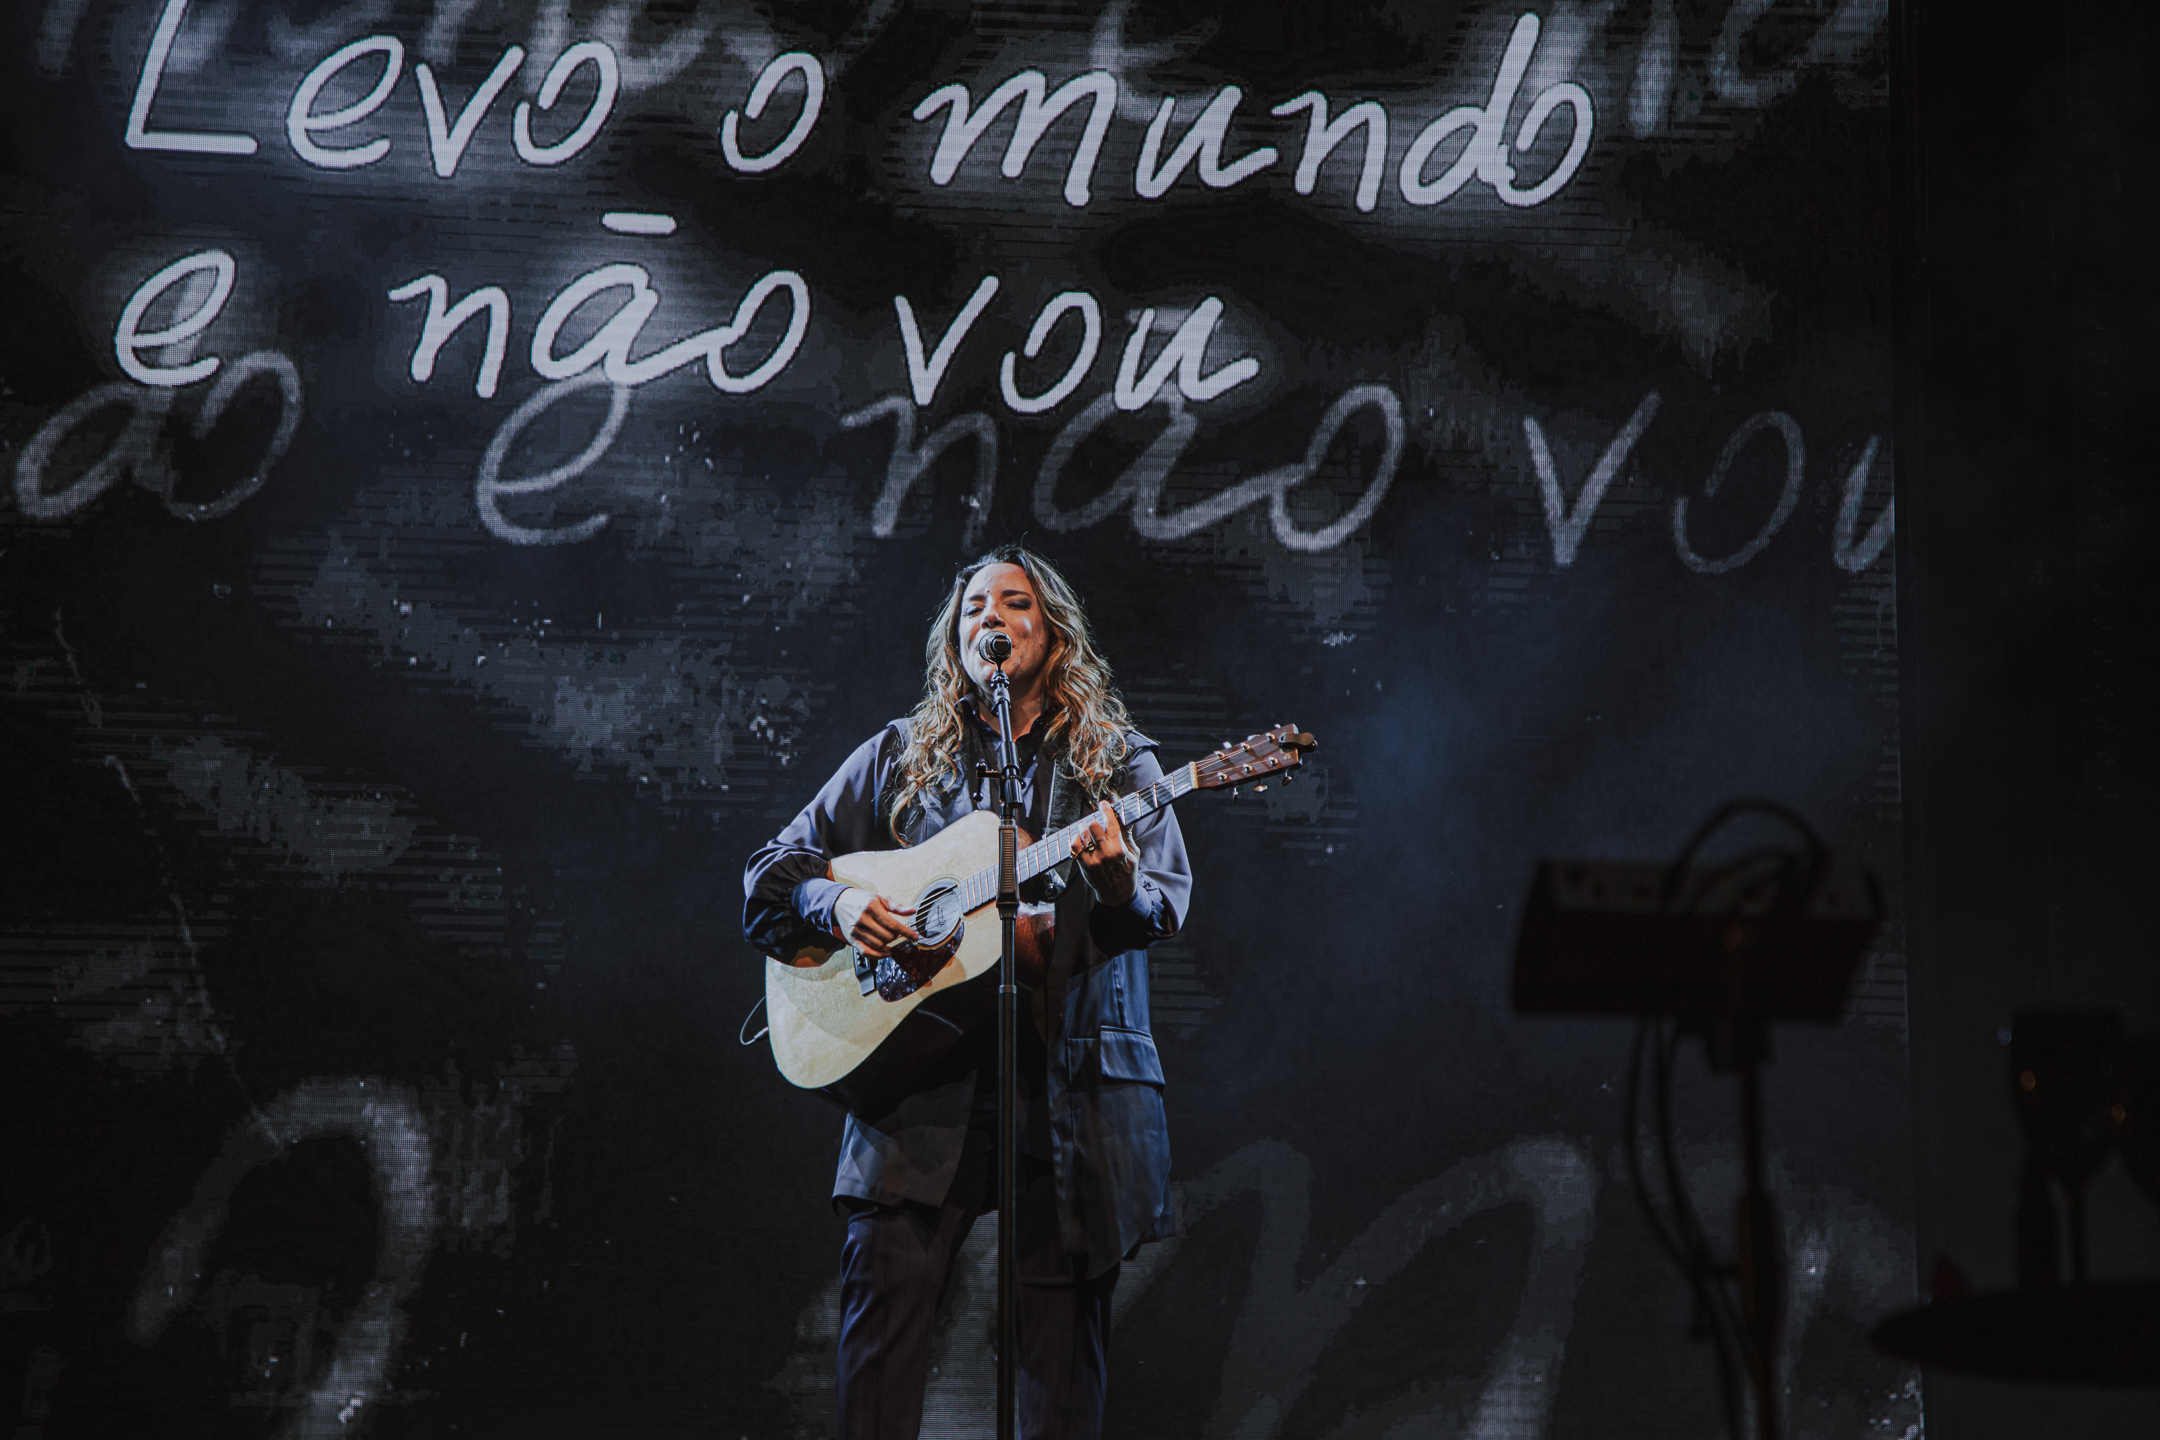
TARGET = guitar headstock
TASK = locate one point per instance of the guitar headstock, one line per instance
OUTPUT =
(1255, 758)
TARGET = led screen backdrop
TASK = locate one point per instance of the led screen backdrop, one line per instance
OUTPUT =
(474, 468)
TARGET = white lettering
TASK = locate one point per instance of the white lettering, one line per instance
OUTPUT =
(490, 487)
(246, 368)
(446, 142)
(924, 376)
(1144, 477)
(131, 453)
(662, 62)
(909, 461)
(444, 320)
(1140, 487)
(610, 344)
(1654, 72)
(1287, 1320)
(56, 35)
(391, 1130)
(637, 222)
(439, 42)
(1327, 537)
(1568, 527)
(1322, 135)
(795, 62)
(1795, 463)
(1577, 100)
(1843, 37)
(718, 340)
(1186, 350)
(139, 134)
(301, 122)
(1090, 342)
(609, 347)
(604, 64)
(1204, 141)
(1486, 124)
(1037, 114)
(129, 338)
(392, 1134)
(1852, 557)
(1484, 153)
(135, 452)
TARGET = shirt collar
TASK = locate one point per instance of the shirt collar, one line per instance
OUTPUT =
(1032, 735)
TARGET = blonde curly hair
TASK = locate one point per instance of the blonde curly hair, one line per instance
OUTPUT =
(1088, 719)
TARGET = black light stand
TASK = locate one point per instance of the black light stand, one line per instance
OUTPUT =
(1718, 951)
(1743, 1336)
(1741, 1043)
(1007, 776)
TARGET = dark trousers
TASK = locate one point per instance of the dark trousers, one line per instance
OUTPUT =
(894, 1268)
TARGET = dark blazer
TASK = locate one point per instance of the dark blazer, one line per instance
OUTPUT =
(1098, 1112)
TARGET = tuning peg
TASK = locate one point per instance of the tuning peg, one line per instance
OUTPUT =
(1259, 789)
(1289, 776)
(1233, 792)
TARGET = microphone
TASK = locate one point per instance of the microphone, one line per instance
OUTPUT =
(995, 647)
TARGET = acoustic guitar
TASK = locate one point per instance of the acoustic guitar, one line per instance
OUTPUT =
(834, 1032)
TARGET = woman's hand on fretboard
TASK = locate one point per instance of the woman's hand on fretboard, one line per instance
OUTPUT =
(1104, 859)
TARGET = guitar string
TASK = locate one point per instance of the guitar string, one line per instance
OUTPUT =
(981, 888)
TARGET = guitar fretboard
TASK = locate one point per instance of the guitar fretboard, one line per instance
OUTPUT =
(981, 888)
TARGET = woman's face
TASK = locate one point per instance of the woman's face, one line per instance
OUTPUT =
(1001, 598)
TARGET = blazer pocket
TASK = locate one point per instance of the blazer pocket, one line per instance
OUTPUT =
(1130, 1055)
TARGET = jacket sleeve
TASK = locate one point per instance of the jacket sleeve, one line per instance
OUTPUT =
(1162, 884)
(787, 897)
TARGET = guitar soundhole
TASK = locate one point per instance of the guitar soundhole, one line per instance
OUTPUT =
(939, 924)
(938, 918)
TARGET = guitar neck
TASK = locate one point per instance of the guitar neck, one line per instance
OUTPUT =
(980, 888)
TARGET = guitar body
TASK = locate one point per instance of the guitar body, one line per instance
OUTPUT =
(867, 1052)
(863, 1051)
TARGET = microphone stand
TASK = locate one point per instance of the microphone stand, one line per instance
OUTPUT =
(1007, 775)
